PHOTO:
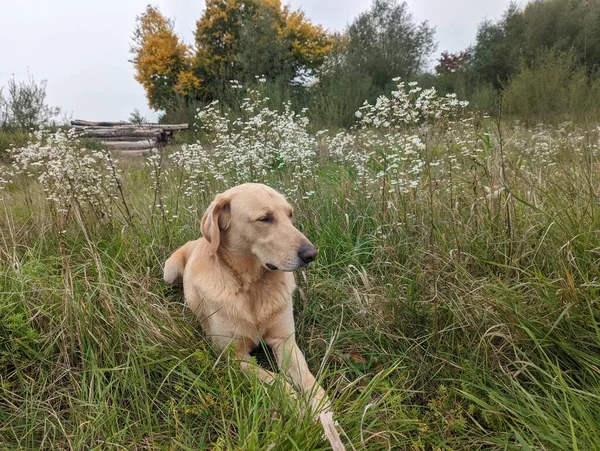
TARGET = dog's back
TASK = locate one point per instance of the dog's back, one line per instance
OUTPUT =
(175, 264)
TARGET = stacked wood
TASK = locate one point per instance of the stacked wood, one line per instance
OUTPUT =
(130, 145)
(126, 135)
(171, 127)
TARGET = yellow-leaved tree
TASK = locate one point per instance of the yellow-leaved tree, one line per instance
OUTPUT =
(235, 39)
(163, 63)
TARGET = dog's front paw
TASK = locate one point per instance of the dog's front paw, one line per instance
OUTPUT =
(330, 431)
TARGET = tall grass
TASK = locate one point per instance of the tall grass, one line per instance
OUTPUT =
(456, 312)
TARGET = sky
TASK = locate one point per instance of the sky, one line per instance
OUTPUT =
(82, 47)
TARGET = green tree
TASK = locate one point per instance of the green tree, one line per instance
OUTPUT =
(564, 26)
(385, 42)
(24, 106)
(502, 48)
(497, 52)
(553, 89)
(261, 51)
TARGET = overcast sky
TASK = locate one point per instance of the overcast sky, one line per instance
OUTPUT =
(82, 47)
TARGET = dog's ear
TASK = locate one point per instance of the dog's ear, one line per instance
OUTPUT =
(216, 219)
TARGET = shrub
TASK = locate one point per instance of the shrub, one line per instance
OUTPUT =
(24, 106)
(554, 89)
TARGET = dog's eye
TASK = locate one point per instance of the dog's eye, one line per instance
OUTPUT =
(266, 219)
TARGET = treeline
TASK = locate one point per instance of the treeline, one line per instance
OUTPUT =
(537, 63)
(240, 39)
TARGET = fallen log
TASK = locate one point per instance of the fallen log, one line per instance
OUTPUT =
(128, 145)
(141, 133)
(150, 125)
(124, 138)
(172, 127)
(99, 124)
(85, 128)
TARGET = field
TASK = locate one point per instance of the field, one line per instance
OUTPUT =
(453, 304)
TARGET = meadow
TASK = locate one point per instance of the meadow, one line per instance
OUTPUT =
(454, 303)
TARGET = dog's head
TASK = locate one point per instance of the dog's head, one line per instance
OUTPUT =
(253, 219)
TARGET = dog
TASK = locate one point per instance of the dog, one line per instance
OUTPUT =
(238, 280)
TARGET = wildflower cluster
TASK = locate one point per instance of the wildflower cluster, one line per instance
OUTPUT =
(409, 107)
(5, 177)
(70, 175)
(387, 147)
(257, 144)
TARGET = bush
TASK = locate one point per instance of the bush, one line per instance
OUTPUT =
(11, 139)
(24, 106)
(485, 98)
(339, 95)
(554, 89)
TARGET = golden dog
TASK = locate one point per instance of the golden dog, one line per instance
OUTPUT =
(238, 279)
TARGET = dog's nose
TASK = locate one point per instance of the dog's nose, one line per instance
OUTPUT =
(307, 253)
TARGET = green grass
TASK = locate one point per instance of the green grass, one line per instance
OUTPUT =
(443, 322)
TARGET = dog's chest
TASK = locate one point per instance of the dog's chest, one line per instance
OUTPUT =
(257, 305)
(252, 308)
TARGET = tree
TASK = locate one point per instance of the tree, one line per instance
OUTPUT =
(385, 42)
(238, 39)
(453, 62)
(24, 106)
(523, 35)
(162, 62)
(497, 51)
(563, 26)
(235, 39)
(555, 88)
(137, 118)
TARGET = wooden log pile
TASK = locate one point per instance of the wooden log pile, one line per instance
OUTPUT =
(126, 135)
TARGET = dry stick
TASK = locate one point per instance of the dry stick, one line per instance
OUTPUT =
(384, 189)
(428, 146)
(117, 180)
(432, 251)
(504, 180)
(157, 169)
(179, 185)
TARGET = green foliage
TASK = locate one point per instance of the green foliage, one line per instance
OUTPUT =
(19, 339)
(240, 39)
(181, 111)
(496, 53)
(382, 43)
(11, 139)
(385, 42)
(554, 87)
(542, 59)
(137, 118)
(522, 35)
(23, 107)
(339, 94)
(261, 51)
(484, 97)
(564, 26)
